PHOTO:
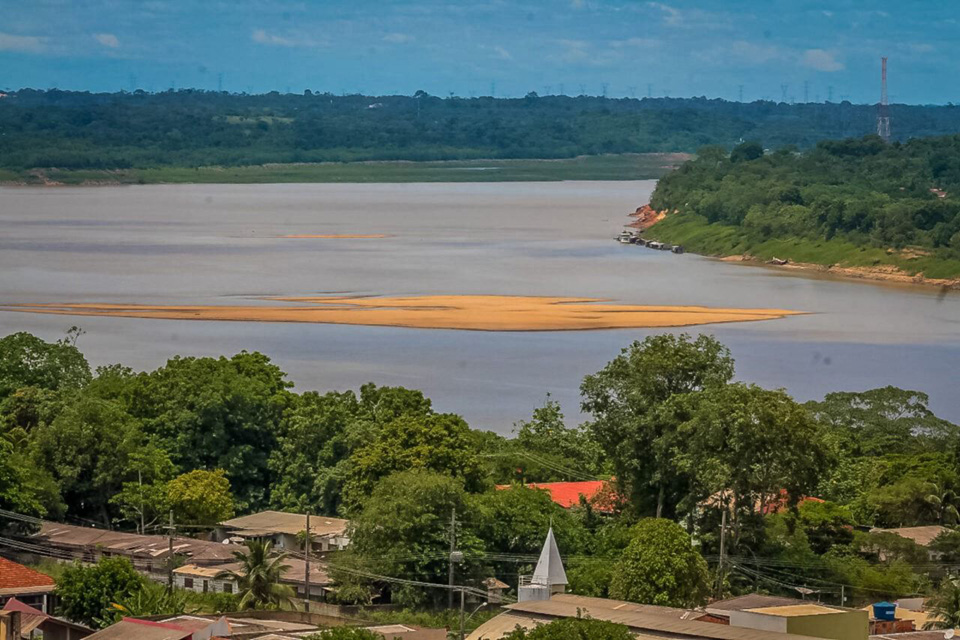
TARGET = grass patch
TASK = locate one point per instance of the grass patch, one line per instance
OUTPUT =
(699, 236)
(606, 167)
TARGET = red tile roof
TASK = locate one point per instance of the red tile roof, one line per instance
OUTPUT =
(567, 494)
(16, 576)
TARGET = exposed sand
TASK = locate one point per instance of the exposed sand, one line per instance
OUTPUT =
(468, 312)
(336, 236)
(881, 273)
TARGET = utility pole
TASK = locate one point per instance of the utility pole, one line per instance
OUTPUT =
(453, 549)
(306, 566)
(723, 549)
(843, 598)
(462, 619)
(170, 553)
(143, 529)
(740, 87)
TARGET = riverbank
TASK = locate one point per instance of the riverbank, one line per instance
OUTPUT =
(836, 257)
(643, 166)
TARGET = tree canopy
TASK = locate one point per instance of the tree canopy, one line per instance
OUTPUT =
(660, 567)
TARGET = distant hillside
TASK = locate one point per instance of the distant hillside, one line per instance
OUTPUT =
(852, 203)
(75, 130)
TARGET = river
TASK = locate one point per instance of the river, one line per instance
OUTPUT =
(219, 244)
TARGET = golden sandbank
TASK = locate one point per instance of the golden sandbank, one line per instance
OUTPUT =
(467, 312)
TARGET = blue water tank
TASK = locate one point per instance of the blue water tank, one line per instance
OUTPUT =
(885, 611)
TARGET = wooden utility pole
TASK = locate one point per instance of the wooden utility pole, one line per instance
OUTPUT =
(723, 549)
(170, 553)
(306, 569)
(453, 548)
(462, 620)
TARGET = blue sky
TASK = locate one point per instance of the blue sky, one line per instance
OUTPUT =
(674, 47)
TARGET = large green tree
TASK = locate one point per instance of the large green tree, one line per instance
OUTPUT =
(200, 497)
(88, 449)
(215, 413)
(747, 449)
(319, 433)
(660, 567)
(404, 530)
(28, 361)
(884, 421)
(434, 442)
(633, 419)
(87, 593)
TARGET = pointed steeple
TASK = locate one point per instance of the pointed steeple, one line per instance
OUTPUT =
(549, 569)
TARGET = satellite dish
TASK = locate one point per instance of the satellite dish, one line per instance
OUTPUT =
(949, 633)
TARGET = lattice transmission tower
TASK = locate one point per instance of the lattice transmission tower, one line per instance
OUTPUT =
(883, 109)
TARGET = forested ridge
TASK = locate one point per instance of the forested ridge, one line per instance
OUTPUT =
(188, 128)
(858, 202)
(676, 438)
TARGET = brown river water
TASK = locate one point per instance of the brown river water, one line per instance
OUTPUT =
(222, 245)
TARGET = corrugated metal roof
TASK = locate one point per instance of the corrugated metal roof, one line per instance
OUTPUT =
(795, 610)
(131, 544)
(654, 624)
(267, 522)
(751, 601)
(499, 626)
(921, 535)
(141, 630)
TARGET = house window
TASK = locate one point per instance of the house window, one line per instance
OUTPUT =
(206, 586)
(227, 587)
(188, 583)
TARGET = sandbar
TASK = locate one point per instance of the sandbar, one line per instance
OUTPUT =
(463, 312)
(336, 236)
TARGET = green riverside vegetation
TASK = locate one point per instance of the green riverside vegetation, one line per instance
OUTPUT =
(189, 128)
(211, 437)
(603, 167)
(850, 203)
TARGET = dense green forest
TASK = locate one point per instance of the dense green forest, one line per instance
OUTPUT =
(854, 202)
(188, 128)
(119, 448)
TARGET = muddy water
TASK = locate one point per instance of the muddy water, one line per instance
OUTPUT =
(221, 244)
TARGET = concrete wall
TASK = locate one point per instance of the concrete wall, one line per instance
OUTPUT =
(843, 625)
(760, 621)
(213, 586)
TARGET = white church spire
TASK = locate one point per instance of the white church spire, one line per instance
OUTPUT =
(549, 569)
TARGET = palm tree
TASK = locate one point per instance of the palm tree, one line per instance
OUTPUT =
(259, 577)
(944, 607)
(943, 502)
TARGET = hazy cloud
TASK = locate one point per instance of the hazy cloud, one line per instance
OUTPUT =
(261, 36)
(398, 38)
(670, 14)
(27, 44)
(637, 43)
(107, 40)
(821, 60)
(502, 53)
(753, 53)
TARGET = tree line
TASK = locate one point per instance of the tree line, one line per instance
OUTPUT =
(678, 440)
(861, 192)
(190, 128)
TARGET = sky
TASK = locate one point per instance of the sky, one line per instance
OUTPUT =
(773, 49)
